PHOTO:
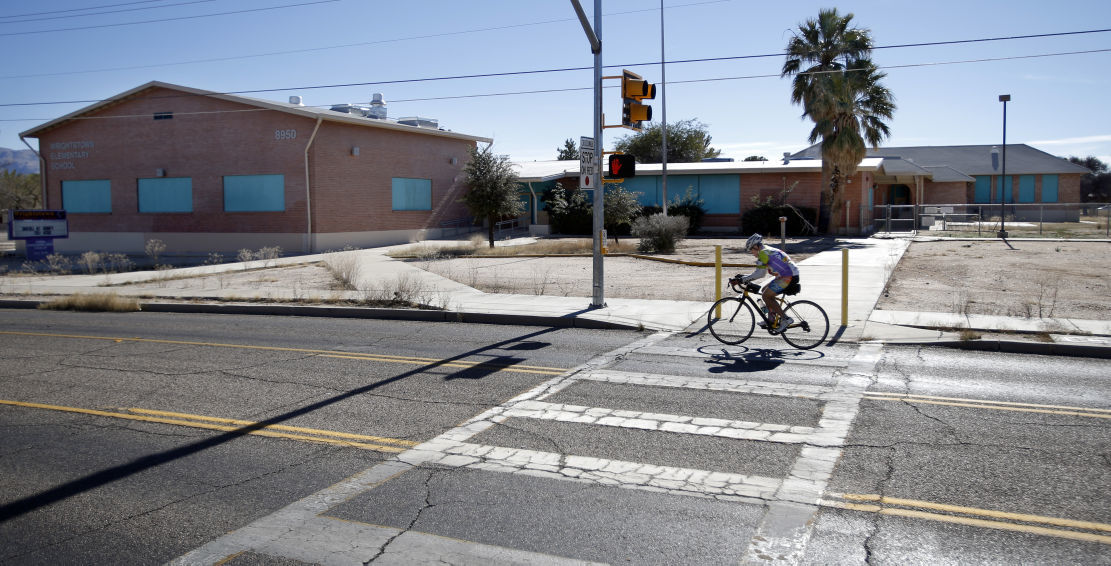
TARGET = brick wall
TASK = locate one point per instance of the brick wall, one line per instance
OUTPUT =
(208, 138)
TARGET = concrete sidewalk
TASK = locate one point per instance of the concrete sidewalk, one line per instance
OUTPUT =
(871, 262)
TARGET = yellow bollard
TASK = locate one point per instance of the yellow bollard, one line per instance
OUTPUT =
(717, 280)
(844, 286)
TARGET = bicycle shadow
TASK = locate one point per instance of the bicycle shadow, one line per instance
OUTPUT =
(742, 359)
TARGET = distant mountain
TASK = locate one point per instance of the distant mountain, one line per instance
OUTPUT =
(20, 161)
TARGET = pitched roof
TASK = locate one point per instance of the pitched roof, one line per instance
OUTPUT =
(306, 111)
(968, 159)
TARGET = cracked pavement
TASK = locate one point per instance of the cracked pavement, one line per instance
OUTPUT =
(644, 450)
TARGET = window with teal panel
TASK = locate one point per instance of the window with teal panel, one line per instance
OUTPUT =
(645, 187)
(1049, 188)
(171, 194)
(1026, 188)
(721, 194)
(680, 186)
(254, 193)
(412, 194)
(1008, 183)
(87, 196)
(983, 189)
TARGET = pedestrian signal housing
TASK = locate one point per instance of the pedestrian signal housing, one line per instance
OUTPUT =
(621, 166)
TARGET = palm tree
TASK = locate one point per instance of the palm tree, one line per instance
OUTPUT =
(839, 91)
(848, 113)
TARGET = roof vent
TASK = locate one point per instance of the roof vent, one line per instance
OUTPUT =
(296, 100)
(419, 122)
(377, 107)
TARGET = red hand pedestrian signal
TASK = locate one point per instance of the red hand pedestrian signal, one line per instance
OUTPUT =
(621, 166)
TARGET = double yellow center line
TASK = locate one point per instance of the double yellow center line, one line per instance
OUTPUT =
(986, 518)
(992, 405)
(362, 441)
(413, 360)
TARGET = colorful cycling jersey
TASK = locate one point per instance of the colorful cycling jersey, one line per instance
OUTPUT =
(777, 262)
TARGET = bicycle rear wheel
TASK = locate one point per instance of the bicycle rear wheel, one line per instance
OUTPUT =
(810, 327)
(736, 322)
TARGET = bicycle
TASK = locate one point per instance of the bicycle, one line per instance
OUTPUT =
(737, 320)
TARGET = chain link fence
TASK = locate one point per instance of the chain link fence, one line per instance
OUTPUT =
(1064, 220)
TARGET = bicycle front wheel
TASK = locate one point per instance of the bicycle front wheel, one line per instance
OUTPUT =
(810, 327)
(735, 323)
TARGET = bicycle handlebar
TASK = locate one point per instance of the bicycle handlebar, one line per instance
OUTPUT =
(750, 287)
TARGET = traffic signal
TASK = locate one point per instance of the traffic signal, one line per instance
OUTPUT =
(621, 166)
(633, 90)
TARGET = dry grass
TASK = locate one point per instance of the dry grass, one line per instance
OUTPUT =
(578, 246)
(95, 302)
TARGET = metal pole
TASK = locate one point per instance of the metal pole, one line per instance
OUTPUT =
(844, 286)
(1003, 198)
(599, 190)
(717, 279)
(663, 108)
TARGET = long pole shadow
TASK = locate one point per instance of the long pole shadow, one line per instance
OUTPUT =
(30, 503)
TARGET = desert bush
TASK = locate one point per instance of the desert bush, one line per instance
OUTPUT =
(269, 252)
(119, 263)
(154, 250)
(214, 258)
(59, 264)
(660, 233)
(245, 255)
(344, 268)
(91, 261)
(687, 206)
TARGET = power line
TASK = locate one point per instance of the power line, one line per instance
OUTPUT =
(81, 9)
(566, 69)
(98, 13)
(163, 20)
(574, 89)
(348, 45)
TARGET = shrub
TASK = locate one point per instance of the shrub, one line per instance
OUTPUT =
(765, 220)
(659, 233)
(119, 263)
(688, 206)
(91, 261)
(569, 212)
(154, 249)
(59, 264)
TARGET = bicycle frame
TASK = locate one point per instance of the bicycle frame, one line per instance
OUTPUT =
(808, 329)
(754, 289)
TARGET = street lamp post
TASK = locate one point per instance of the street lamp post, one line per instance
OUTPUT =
(1004, 98)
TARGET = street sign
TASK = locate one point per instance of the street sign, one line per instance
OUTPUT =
(586, 163)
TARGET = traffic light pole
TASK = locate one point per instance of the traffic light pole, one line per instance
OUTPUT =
(595, 37)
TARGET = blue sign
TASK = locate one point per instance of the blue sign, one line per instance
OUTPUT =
(39, 248)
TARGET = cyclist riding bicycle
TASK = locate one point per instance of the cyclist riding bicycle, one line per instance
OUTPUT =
(779, 264)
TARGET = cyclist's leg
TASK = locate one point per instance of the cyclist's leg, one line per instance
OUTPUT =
(776, 287)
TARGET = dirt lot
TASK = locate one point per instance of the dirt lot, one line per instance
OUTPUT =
(1069, 279)
(1026, 279)
(625, 277)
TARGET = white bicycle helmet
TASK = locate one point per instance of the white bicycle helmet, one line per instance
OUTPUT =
(753, 240)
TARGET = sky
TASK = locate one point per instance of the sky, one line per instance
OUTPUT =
(530, 68)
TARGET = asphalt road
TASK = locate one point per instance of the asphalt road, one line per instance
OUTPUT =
(139, 438)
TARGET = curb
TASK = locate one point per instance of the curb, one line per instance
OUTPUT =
(1016, 347)
(362, 312)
